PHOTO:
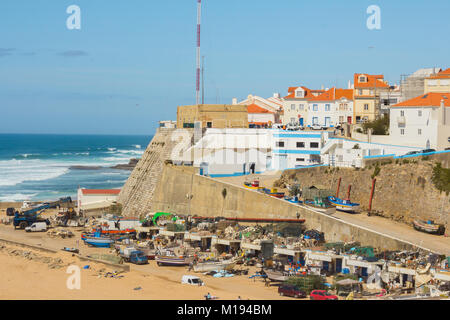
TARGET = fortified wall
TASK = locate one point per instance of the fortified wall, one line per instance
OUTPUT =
(183, 191)
(403, 188)
(137, 193)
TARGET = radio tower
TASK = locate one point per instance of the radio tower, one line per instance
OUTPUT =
(199, 18)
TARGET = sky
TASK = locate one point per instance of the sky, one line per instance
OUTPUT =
(133, 62)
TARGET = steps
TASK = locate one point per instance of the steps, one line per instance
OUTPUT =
(137, 193)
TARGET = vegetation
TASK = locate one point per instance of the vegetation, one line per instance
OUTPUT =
(379, 126)
(441, 178)
(376, 170)
(294, 190)
(359, 130)
(115, 209)
(356, 147)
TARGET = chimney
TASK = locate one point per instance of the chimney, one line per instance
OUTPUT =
(234, 101)
(349, 85)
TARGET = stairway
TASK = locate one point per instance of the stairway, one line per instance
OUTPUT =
(137, 193)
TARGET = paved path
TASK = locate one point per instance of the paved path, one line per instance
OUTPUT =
(401, 231)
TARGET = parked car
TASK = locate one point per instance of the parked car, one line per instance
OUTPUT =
(316, 127)
(277, 126)
(293, 127)
(291, 291)
(192, 280)
(428, 150)
(36, 227)
(322, 295)
(411, 153)
(447, 149)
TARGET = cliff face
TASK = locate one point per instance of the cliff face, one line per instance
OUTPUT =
(137, 193)
(403, 191)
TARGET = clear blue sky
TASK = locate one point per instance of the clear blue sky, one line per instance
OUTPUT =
(133, 62)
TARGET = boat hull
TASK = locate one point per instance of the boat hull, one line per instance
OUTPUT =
(349, 207)
(212, 266)
(171, 261)
(100, 243)
(428, 228)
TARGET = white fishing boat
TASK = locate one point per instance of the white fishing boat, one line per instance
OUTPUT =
(214, 265)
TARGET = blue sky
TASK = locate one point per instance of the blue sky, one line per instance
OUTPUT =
(133, 62)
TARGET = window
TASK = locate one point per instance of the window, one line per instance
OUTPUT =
(209, 124)
(300, 159)
(315, 120)
(362, 79)
(301, 107)
(360, 92)
(315, 107)
(402, 113)
(300, 94)
(280, 144)
(327, 107)
(292, 106)
(300, 144)
(292, 120)
(366, 106)
(314, 145)
(402, 132)
(420, 113)
(341, 119)
(419, 132)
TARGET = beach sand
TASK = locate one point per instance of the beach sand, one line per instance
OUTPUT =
(31, 279)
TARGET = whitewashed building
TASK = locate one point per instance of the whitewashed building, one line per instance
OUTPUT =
(422, 122)
(332, 108)
(92, 199)
(295, 105)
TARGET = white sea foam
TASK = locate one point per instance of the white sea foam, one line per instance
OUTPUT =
(138, 146)
(17, 197)
(13, 172)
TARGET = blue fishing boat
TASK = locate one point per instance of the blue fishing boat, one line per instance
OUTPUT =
(97, 240)
(344, 205)
(294, 200)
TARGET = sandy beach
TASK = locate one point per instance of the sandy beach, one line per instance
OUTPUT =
(23, 278)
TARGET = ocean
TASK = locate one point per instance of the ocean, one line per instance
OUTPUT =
(38, 167)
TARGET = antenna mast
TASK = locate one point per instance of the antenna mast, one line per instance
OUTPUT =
(197, 84)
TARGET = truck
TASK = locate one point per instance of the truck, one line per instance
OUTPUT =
(27, 217)
(36, 227)
(134, 256)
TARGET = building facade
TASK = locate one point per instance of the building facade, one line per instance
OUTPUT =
(295, 105)
(423, 121)
(439, 82)
(367, 91)
(213, 116)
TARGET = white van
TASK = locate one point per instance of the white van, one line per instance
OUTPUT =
(193, 280)
(36, 227)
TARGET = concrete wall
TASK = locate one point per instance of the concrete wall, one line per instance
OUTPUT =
(182, 192)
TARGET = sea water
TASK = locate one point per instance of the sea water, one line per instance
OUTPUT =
(38, 167)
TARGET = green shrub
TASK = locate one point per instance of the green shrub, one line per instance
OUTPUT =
(441, 178)
(376, 170)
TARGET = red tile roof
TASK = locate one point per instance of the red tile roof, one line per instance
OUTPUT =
(372, 81)
(334, 94)
(100, 191)
(432, 99)
(253, 108)
(308, 92)
(441, 75)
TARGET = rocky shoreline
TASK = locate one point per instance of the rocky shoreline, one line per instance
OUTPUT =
(129, 166)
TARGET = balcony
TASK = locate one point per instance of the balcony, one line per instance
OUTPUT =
(401, 120)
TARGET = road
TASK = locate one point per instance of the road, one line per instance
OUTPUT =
(439, 244)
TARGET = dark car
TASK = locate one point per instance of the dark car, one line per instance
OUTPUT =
(428, 150)
(322, 295)
(291, 291)
(10, 212)
(411, 153)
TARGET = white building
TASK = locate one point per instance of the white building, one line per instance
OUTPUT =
(273, 107)
(330, 109)
(91, 199)
(422, 122)
(259, 117)
(295, 106)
